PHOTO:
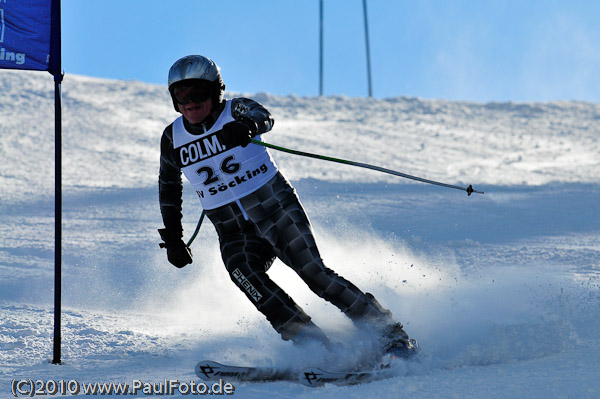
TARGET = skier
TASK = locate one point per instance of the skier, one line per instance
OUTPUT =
(254, 208)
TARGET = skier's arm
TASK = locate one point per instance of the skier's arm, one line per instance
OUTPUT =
(170, 190)
(251, 119)
(243, 109)
(170, 186)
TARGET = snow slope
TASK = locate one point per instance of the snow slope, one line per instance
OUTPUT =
(502, 289)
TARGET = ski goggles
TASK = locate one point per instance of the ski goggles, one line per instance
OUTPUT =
(194, 92)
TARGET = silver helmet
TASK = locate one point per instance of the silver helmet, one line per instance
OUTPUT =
(197, 67)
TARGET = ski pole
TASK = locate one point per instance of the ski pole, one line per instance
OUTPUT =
(469, 189)
(197, 228)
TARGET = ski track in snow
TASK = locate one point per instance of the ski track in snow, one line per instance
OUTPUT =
(501, 289)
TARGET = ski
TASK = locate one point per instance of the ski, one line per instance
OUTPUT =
(315, 377)
(209, 370)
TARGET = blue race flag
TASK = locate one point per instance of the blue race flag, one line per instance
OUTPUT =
(29, 38)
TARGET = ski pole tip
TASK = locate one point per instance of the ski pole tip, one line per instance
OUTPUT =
(470, 190)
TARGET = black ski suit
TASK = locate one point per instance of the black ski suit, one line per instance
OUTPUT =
(268, 223)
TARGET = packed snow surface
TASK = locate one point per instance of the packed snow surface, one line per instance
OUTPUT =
(502, 290)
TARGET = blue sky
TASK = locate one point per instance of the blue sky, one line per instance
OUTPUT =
(484, 50)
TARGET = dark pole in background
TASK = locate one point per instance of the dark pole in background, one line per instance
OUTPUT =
(368, 50)
(56, 71)
(320, 47)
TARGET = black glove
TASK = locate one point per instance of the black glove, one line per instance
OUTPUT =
(238, 133)
(177, 252)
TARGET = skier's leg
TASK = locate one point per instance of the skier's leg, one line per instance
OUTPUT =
(298, 249)
(247, 258)
(280, 219)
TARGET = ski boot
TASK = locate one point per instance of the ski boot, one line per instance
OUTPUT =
(396, 345)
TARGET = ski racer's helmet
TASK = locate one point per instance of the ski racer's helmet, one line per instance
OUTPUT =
(196, 68)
